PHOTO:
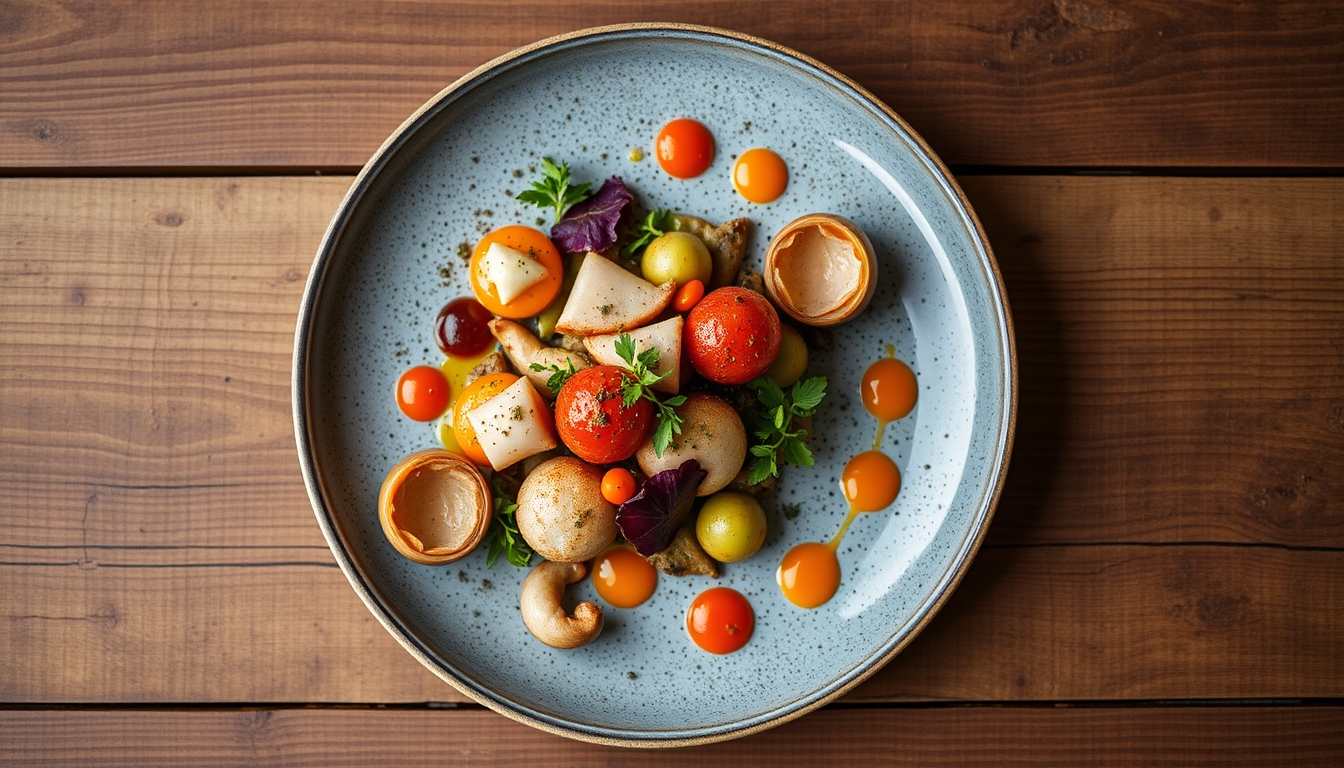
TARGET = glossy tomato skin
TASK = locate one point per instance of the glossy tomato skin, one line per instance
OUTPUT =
(732, 336)
(592, 421)
(422, 393)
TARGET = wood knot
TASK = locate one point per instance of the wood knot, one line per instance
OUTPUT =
(1097, 18)
(169, 219)
(45, 131)
(293, 275)
(77, 297)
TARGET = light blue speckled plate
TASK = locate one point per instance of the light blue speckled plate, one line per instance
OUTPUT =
(450, 173)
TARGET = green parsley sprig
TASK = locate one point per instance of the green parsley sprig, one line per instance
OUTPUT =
(555, 190)
(504, 535)
(558, 375)
(772, 422)
(655, 225)
(642, 365)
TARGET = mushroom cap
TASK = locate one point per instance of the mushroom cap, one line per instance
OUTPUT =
(713, 434)
(561, 512)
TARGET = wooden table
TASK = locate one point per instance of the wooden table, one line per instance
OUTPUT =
(1163, 186)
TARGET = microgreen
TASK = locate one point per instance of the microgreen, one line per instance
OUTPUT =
(554, 190)
(595, 223)
(504, 535)
(650, 520)
(642, 365)
(653, 226)
(558, 375)
(772, 423)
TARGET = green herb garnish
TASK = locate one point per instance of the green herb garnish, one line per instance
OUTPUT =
(642, 365)
(772, 421)
(653, 226)
(504, 535)
(554, 189)
(558, 375)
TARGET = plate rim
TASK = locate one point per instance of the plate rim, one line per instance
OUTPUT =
(518, 711)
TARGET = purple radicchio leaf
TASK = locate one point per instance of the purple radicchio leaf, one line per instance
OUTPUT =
(652, 518)
(592, 224)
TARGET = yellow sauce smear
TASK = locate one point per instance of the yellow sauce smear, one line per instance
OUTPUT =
(456, 369)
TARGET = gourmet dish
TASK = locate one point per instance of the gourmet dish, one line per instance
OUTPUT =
(619, 395)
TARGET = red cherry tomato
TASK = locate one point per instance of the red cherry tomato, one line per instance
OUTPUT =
(720, 620)
(688, 296)
(592, 420)
(685, 148)
(422, 393)
(618, 486)
(732, 336)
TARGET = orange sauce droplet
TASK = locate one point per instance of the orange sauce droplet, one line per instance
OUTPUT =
(760, 175)
(809, 574)
(623, 578)
(685, 148)
(870, 481)
(889, 390)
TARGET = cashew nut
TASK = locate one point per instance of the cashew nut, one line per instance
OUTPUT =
(546, 618)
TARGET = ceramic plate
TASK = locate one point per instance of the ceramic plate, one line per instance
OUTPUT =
(450, 173)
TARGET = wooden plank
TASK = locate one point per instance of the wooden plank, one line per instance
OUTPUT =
(1156, 736)
(1181, 354)
(1027, 624)
(144, 350)
(155, 360)
(1015, 82)
(147, 330)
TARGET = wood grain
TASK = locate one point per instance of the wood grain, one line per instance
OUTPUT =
(1009, 82)
(1156, 736)
(1199, 359)
(1181, 355)
(1180, 345)
(1027, 624)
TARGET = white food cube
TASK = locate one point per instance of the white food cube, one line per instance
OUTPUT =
(513, 425)
(510, 272)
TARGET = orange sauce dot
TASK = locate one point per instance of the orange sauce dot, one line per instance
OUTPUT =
(760, 175)
(623, 578)
(870, 481)
(809, 574)
(685, 148)
(889, 389)
(720, 620)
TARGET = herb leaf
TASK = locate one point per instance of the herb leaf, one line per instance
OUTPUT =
(653, 226)
(504, 535)
(772, 424)
(558, 375)
(554, 190)
(642, 365)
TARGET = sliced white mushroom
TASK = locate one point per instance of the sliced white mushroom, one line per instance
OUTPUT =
(608, 299)
(664, 337)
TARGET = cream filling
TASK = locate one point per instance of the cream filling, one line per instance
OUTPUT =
(437, 508)
(816, 271)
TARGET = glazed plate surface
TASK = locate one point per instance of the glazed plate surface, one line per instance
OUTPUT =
(450, 174)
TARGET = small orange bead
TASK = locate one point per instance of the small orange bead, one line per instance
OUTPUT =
(688, 296)
(618, 486)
